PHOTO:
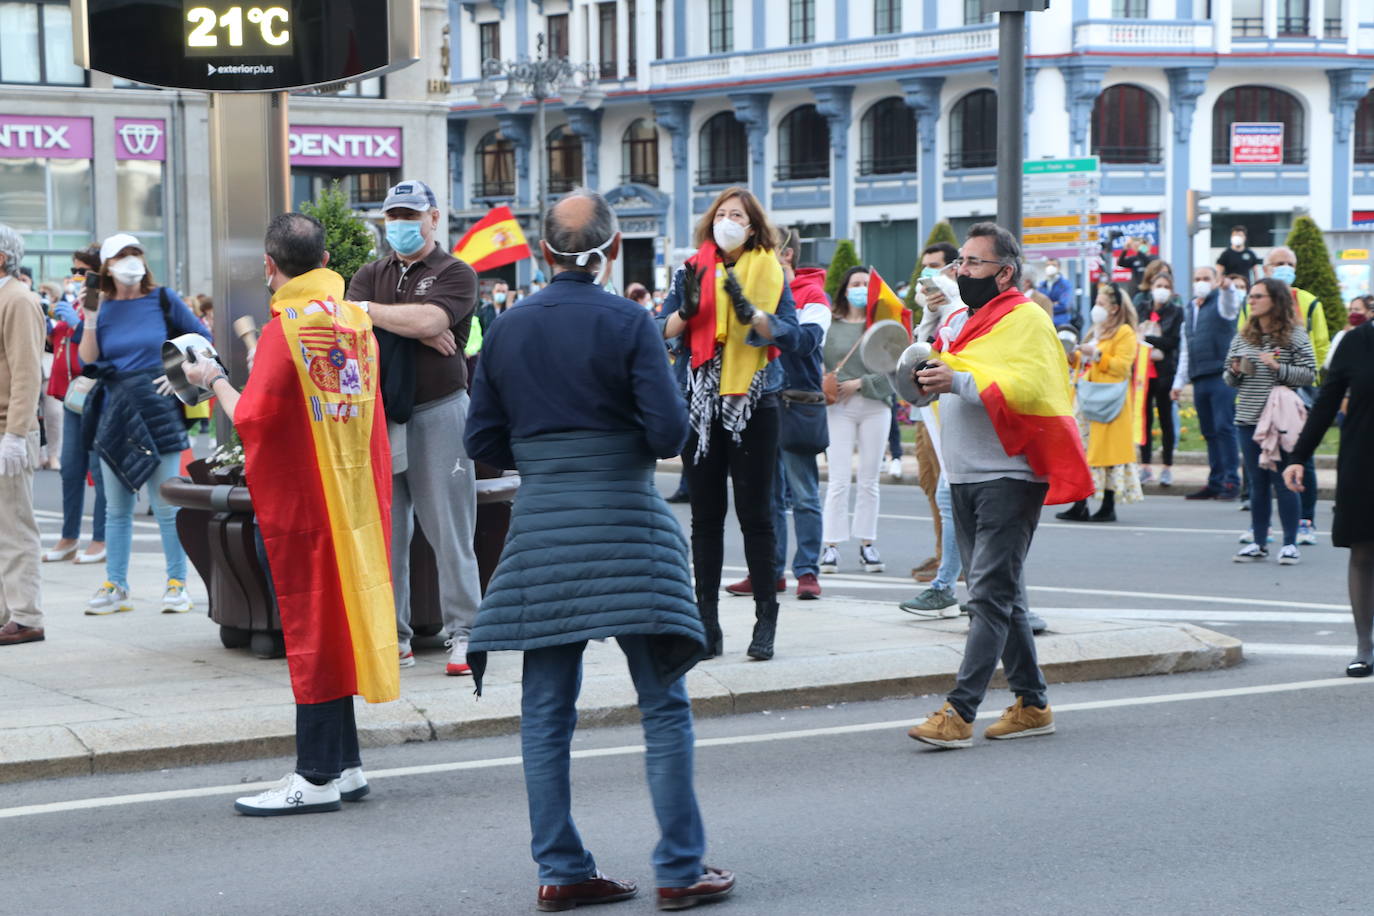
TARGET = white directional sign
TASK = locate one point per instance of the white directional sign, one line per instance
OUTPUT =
(1061, 202)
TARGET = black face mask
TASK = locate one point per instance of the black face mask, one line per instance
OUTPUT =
(977, 292)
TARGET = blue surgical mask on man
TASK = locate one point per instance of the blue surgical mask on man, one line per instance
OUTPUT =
(1285, 273)
(404, 236)
(930, 272)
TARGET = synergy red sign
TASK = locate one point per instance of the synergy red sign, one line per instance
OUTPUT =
(1256, 144)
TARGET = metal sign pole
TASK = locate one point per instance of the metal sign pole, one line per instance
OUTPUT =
(1011, 94)
(250, 176)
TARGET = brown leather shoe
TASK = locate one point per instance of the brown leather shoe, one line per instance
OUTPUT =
(12, 634)
(926, 567)
(716, 884)
(554, 898)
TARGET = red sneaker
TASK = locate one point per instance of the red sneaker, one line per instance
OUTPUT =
(457, 657)
(808, 589)
(744, 588)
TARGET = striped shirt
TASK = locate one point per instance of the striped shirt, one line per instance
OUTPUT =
(1297, 369)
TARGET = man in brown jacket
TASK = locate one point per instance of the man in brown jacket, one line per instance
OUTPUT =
(21, 382)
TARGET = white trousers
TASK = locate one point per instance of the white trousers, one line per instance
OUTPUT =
(865, 422)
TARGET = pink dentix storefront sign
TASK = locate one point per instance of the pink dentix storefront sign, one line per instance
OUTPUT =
(141, 138)
(368, 147)
(29, 136)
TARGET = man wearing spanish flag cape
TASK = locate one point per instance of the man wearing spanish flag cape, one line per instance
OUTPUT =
(1010, 445)
(318, 466)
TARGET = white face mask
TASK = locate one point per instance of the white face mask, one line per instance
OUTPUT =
(1237, 240)
(1051, 272)
(1161, 295)
(729, 235)
(128, 270)
(1099, 314)
(1202, 289)
(584, 256)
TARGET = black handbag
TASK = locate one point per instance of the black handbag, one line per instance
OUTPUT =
(802, 428)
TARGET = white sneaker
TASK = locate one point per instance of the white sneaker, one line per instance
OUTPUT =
(1289, 555)
(175, 600)
(293, 795)
(1251, 553)
(1166, 477)
(894, 468)
(406, 654)
(352, 784)
(869, 559)
(1146, 475)
(1307, 532)
(457, 656)
(109, 599)
(830, 559)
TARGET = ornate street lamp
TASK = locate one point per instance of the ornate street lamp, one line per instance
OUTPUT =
(540, 80)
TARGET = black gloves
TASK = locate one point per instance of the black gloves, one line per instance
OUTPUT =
(691, 294)
(744, 309)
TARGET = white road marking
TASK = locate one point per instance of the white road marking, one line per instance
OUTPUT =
(848, 579)
(1277, 648)
(82, 804)
(1202, 615)
(1077, 526)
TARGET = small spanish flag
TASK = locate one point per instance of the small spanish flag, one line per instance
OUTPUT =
(884, 304)
(495, 241)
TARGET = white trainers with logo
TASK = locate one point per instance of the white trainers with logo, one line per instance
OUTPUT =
(352, 784)
(175, 600)
(407, 655)
(109, 599)
(830, 559)
(457, 656)
(293, 795)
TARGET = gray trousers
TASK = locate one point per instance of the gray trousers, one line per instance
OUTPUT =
(995, 522)
(19, 546)
(439, 486)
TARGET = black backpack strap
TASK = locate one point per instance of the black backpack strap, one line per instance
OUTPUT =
(166, 302)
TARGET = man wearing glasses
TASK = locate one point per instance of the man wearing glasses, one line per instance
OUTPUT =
(420, 294)
(1008, 443)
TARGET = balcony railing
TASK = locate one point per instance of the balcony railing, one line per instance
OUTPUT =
(969, 41)
(972, 158)
(1247, 26)
(791, 171)
(1129, 155)
(494, 189)
(1334, 28)
(1142, 33)
(723, 175)
(903, 163)
(649, 178)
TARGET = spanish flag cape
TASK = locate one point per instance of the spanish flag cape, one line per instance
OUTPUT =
(1017, 362)
(319, 469)
(760, 276)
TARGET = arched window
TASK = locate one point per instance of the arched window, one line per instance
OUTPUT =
(888, 135)
(639, 153)
(565, 160)
(495, 166)
(1126, 126)
(1364, 130)
(1263, 104)
(803, 144)
(973, 131)
(723, 150)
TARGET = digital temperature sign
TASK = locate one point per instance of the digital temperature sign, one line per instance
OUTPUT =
(254, 46)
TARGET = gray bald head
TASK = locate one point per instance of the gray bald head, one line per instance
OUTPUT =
(580, 222)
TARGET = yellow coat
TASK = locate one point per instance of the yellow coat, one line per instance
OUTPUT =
(1111, 444)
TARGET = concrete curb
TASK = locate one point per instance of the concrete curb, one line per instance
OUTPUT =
(719, 687)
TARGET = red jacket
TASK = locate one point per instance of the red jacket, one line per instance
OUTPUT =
(66, 364)
(809, 286)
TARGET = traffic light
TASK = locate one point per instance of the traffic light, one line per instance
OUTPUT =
(1199, 214)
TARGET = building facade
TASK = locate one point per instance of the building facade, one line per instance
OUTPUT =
(83, 156)
(873, 119)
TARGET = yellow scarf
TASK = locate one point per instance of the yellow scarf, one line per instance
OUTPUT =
(760, 276)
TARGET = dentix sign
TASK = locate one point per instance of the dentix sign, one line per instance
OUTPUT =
(255, 46)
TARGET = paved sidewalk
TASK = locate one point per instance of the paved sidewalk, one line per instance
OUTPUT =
(145, 690)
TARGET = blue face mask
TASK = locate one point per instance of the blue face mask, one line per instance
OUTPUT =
(404, 236)
(1285, 274)
(931, 272)
(858, 296)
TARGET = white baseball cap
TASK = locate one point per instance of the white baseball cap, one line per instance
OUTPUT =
(117, 243)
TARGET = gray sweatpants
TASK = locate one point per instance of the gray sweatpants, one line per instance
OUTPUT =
(440, 488)
(995, 522)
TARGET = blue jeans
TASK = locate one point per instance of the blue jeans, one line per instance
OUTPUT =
(1216, 416)
(119, 522)
(797, 475)
(76, 461)
(950, 565)
(548, 714)
(1261, 483)
(1308, 497)
(894, 432)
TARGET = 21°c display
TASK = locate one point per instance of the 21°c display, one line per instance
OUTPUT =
(233, 30)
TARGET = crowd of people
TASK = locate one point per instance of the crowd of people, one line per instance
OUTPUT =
(745, 368)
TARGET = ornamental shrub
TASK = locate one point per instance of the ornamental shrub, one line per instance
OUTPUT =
(845, 258)
(346, 235)
(1315, 273)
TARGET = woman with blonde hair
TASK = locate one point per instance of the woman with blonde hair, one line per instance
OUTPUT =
(728, 315)
(1108, 353)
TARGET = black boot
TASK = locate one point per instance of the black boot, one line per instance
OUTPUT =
(765, 627)
(1107, 512)
(715, 639)
(1078, 512)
